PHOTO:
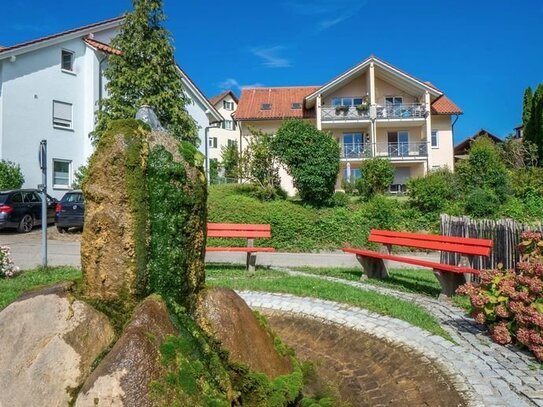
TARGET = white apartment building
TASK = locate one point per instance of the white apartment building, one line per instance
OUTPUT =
(49, 90)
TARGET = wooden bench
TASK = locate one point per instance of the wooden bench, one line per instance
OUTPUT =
(245, 231)
(450, 276)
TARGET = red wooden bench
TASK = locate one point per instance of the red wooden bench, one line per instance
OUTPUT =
(246, 231)
(450, 276)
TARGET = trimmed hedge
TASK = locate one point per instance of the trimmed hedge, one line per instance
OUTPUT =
(296, 227)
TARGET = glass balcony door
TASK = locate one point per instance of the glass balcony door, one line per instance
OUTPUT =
(353, 145)
(398, 143)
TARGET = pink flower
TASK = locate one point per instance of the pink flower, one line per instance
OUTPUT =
(502, 311)
(500, 333)
(479, 316)
(538, 352)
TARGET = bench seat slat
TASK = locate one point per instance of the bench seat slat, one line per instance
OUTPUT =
(432, 245)
(437, 238)
(422, 263)
(237, 226)
(248, 234)
(240, 249)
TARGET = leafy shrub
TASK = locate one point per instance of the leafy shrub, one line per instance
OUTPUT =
(432, 192)
(377, 176)
(339, 199)
(7, 267)
(510, 302)
(528, 182)
(311, 157)
(80, 176)
(230, 161)
(481, 203)
(11, 176)
(484, 169)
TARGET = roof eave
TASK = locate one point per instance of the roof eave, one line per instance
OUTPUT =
(8, 53)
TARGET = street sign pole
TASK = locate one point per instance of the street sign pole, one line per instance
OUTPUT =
(43, 188)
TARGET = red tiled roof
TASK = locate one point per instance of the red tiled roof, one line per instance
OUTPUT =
(443, 105)
(216, 99)
(102, 46)
(280, 99)
(50, 37)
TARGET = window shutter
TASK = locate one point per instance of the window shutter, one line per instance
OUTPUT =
(62, 114)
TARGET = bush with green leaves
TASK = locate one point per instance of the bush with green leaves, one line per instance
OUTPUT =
(484, 169)
(339, 199)
(482, 203)
(433, 192)
(377, 176)
(311, 157)
(80, 176)
(528, 182)
(11, 176)
(230, 161)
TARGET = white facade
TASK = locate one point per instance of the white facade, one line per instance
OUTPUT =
(41, 101)
(228, 132)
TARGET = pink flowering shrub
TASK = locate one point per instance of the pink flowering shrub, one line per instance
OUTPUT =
(510, 302)
(7, 267)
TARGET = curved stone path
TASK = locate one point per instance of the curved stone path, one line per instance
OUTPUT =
(491, 374)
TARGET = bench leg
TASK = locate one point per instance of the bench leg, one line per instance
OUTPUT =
(251, 262)
(374, 268)
(449, 282)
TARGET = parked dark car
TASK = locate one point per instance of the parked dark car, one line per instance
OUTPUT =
(70, 211)
(21, 209)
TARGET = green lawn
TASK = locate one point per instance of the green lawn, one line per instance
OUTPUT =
(414, 281)
(11, 288)
(276, 281)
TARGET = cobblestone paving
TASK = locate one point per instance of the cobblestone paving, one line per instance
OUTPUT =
(494, 375)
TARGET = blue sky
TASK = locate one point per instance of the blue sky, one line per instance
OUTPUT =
(481, 53)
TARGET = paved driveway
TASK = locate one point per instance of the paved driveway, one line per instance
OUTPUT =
(64, 249)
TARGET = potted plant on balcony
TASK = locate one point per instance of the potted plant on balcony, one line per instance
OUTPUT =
(364, 107)
(342, 108)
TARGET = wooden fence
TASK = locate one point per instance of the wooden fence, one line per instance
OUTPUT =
(504, 232)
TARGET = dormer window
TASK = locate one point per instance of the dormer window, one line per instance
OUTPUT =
(67, 60)
(265, 106)
(296, 106)
(228, 105)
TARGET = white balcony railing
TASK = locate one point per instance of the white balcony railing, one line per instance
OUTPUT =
(401, 111)
(402, 151)
(340, 113)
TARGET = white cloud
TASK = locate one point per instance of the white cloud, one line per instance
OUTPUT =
(232, 83)
(270, 57)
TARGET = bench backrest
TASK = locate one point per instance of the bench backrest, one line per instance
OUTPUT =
(247, 231)
(463, 245)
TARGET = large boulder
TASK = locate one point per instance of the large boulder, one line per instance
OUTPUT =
(124, 376)
(48, 343)
(227, 318)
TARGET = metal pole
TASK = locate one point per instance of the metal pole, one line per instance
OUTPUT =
(43, 166)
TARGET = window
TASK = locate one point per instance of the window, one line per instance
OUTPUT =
(30, 197)
(228, 125)
(228, 105)
(61, 173)
(213, 142)
(232, 143)
(62, 114)
(296, 106)
(265, 106)
(355, 174)
(353, 145)
(67, 60)
(347, 101)
(435, 139)
(393, 101)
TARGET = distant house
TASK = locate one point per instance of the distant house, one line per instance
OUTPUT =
(461, 150)
(227, 133)
(518, 132)
(373, 110)
(50, 88)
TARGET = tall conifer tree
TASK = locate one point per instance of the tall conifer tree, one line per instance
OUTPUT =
(145, 74)
(527, 106)
(533, 129)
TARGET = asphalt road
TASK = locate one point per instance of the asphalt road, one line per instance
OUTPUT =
(64, 249)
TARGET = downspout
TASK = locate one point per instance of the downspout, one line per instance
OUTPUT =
(456, 117)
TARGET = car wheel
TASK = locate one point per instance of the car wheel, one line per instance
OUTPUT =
(26, 224)
(62, 229)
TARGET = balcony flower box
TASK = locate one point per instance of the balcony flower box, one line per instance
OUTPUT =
(342, 109)
(362, 109)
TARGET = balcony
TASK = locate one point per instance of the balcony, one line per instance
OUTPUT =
(394, 151)
(401, 111)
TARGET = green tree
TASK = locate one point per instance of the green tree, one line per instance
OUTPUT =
(213, 171)
(484, 169)
(311, 157)
(80, 176)
(257, 164)
(527, 105)
(11, 176)
(518, 154)
(145, 74)
(533, 129)
(377, 174)
(230, 161)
